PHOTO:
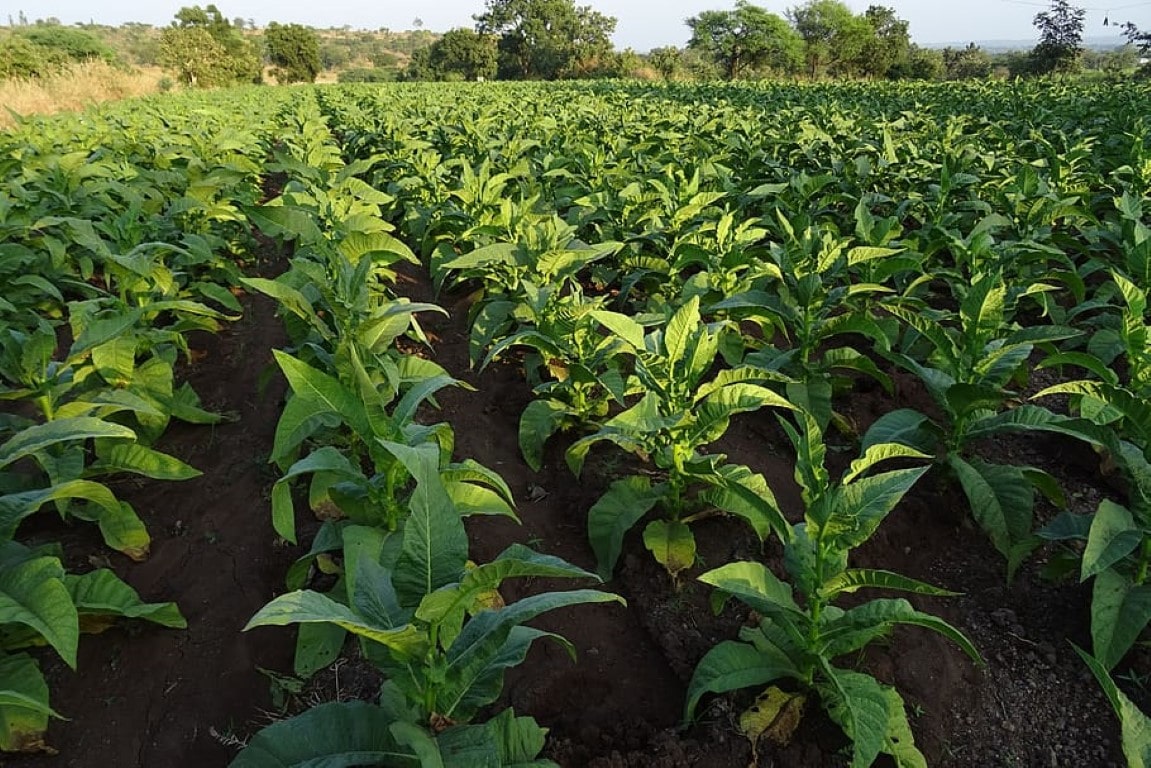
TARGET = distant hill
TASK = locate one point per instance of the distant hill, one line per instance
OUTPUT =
(1096, 43)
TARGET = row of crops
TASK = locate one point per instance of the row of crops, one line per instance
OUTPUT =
(659, 261)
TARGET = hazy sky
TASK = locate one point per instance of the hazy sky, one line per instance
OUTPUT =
(642, 25)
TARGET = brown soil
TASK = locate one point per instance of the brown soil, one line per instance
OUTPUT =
(149, 697)
(146, 696)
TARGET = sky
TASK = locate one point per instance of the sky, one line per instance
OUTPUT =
(642, 25)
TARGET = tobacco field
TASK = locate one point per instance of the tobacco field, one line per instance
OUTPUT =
(607, 424)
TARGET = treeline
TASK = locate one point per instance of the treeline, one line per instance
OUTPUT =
(556, 39)
(238, 50)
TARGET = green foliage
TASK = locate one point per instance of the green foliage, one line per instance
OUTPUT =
(970, 63)
(544, 39)
(435, 625)
(799, 639)
(683, 409)
(20, 57)
(888, 54)
(666, 60)
(40, 50)
(294, 51)
(205, 50)
(836, 40)
(746, 40)
(461, 54)
(1060, 39)
(366, 75)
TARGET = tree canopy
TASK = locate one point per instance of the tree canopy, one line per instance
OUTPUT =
(836, 40)
(748, 38)
(205, 49)
(545, 39)
(1060, 38)
(294, 51)
(461, 54)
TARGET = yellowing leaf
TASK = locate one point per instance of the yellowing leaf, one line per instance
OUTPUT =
(774, 715)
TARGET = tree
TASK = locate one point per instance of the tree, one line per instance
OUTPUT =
(294, 51)
(1141, 41)
(970, 63)
(923, 64)
(888, 51)
(746, 39)
(545, 39)
(204, 49)
(461, 54)
(667, 61)
(1060, 38)
(196, 57)
(835, 39)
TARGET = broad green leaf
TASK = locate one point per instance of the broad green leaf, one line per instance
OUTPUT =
(1135, 726)
(333, 735)
(854, 628)
(42, 436)
(435, 544)
(877, 453)
(33, 593)
(903, 426)
(682, 326)
(738, 491)
(854, 579)
(613, 515)
(1120, 611)
(858, 508)
(623, 326)
(308, 607)
(517, 561)
(324, 390)
(480, 643)
(122, 529)
(754, 584)
(147, 462)
(539, 421)
(672, 543)
(290, 299)
(518, 739)
(420, 742)
(16, 506)
(100, 596)
(317, 646)
(1113, 536)
(899, 742)
(731, 666)
(857, 703)
(1001, 501)
(115, 360)
(496, 253)
(286, 223)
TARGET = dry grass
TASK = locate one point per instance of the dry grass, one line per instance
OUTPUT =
(74, 89)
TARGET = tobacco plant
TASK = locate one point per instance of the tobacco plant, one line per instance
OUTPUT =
(1117, 538)
(683, 409)
(572, 367)
(41, 604)
(363, 481)
(800, 632)
(438, 629)
(547, 261)
(969, 367)
(815, 307)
